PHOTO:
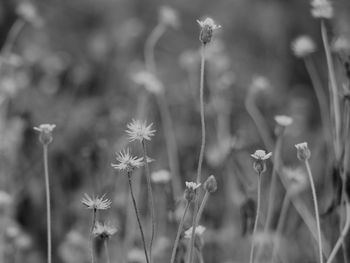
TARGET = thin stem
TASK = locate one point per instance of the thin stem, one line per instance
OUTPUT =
(200, 256)
(150, 197)
(176, 243)
(13, 35)
(107, 252)
(342, 235)
(48, 205)
(256, 219)
(137, 216)
(152, 40)
(314, 197)
(201, 154)
(201, 208)
(334, 90)
(91, 234)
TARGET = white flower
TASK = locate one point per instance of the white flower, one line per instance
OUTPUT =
(283, 120)
(199, 231)
(139, 131)
(104, 231)
(259, 83)
(168, 16)
(208, 22)
(322, 9)
(192, 185)
(148, 81)
(46, 128)
(127, 162)
(303, 46)
(160, 176)
(96, 203)
(261, 155)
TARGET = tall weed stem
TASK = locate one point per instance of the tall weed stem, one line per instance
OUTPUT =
(48, 204)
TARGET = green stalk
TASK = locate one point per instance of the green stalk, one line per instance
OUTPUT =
(48, 205)
(107, 252)
(91, 234)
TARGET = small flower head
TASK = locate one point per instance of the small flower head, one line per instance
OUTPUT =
(259, 84)
(207, 27)
(190, 191)
(96, 203)
(282, 122)
(140, 131)
(303, 46)
(322, 9)
(161, 177)
(303, 151)
(104, 230)
(45, 130)
(210, 184)
(127, 162)
(198, 236)
(168, 16)
(150, 82)
(260, 157)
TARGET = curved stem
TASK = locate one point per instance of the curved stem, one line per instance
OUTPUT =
(138, 217)
(155, 35)
(314, 197)
(176, 243)
(150, 197)
(256, 219)
(342, 235)
(13, 35)
(48, 205)
(107, 252)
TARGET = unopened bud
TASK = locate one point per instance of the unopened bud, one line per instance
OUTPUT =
(303, 151)
(210, 184)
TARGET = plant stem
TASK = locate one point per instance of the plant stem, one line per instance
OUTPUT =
(256, 219)
(150, 197)
(13, 34)
(334, 90)
(48, 205)
(342, 235)
(176, 243)
(200, 256)
(91, 234)
(201, 154)
(201, 208)
(152, 40)
(138, 217)
(314, 197)
(107, 252)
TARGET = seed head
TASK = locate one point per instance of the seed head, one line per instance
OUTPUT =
(322, 9)
(45, 130)
(207, 27)
(210, 184)
(96, 203)
(139, 131)
(303, 151)
(260, 158)
(126, 162)
(303, 46)
(104, 230)
(190, 191)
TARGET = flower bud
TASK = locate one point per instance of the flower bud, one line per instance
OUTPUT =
(45, 136)
(210, 184)
(207, 28)
(303, 151)
(260, 158)
(190, 191)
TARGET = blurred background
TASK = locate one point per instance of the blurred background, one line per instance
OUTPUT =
(81, 65)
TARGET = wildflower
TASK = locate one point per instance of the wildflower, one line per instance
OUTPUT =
(139, 131)
(127, 162)
(104, 231)
(322, 9)
(207, 28)
(190, 191)
(303, 151)
(45, 130)
(96, 203)
(260, 157)
(168, 16)
(303, 46)
(161, 176)
(210, 184)
(150, 82)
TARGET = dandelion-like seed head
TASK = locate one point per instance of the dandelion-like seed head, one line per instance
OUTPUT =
(96, 203)
(303, 151)
(207, 27)
(45, 130)
(104, 230)
(303, 46)
(322, 9)
(161, 177)
(190, 191)
(169, 17)
(150, 82)
(127, 162)
(260, 157)
(139, 131)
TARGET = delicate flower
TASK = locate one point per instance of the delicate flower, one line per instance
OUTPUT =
(283, 120)
(150, 82)
(303, 151)
(322, 9)
(207, 27)
(260, 157)
(104, 230)
(210, 184)
(45, 130)
(161, 176)
(303, 46)
(168, 16)
(190, 191)
(96, 203)
(199, 231)
(192, 185)
(127, 162)
(139, 131)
